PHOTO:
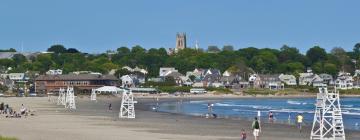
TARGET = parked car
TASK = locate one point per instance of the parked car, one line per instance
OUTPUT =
(1, 94)
(32, 94)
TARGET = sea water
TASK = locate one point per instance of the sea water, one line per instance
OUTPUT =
(284, 110)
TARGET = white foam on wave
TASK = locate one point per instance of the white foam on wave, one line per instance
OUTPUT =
(197, 102)
(248, 106)
(347, 105)
(292, 111)
(245, 110)
(296, 102)
(351, 113)
(351, 108)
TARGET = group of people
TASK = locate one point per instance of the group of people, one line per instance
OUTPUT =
(256, 127)
(9, 112)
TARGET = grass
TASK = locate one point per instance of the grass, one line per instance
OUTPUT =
(253, 91)
(7, 138)
(350, 92)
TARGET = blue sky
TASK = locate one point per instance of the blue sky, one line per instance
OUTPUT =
(99, 25)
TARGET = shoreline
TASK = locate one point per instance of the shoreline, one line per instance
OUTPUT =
(229, 96)
(146, 102)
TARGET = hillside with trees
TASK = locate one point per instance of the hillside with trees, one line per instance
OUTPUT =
(266, 60)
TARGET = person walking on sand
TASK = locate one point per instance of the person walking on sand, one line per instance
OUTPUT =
(110, 108)
(243, 134)
(256, 128)
(299, 121)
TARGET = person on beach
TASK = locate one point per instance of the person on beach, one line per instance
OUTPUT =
(258, 114)
(2, 107)
(256, 128)
(271, 117)
(299, 121)
(22, 109)
(110, 108)
(243, 134)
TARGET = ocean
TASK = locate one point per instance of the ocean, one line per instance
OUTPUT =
(284, 110)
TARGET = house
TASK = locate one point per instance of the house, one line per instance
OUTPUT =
(198, 73)
(309, 78)
(344, 81)
(356, 83)
(132, 80)
(288, 79)
(271, 81)
(356, 78)
(229, 81)
(306, 78)
(254, 81)
(16, 77)
(164, 71)
(212, 78)
(242, 84)
(178, 77)
(327, 78)
(54, 72)
(186, 81)
(226, 73)
(127, 81)
(81, 82)
(357, 73)
(318, 81)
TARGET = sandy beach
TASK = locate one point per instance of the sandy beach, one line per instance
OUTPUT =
(93, 121)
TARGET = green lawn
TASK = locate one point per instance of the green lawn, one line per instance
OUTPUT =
(7, 138)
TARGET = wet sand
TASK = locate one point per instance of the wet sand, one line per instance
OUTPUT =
(93, 121)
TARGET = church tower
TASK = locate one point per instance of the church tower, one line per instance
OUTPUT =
(180, 41)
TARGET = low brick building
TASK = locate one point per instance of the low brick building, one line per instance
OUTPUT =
(83, 83)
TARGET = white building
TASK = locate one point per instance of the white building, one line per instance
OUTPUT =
(288, 79)
(344, 81)
(309, 78)
(54, 72)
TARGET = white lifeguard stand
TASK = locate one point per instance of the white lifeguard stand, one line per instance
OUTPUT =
(70, 98)
(328, 122)
(61, 97)
(93, 95)
(127, 109)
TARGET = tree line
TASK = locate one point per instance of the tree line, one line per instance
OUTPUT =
(286, 60)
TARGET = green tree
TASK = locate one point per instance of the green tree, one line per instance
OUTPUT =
(19, 59)
(123, 50)
(330, 69)
(341, 56)
(318, 67)
(72, 50)
(58, 48)
(356, 50)
(265, 62)
(288, 54)
(8, 50)
(316, 54)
